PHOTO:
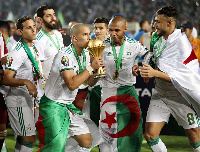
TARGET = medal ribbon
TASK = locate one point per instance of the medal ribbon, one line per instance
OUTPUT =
(47, 34)
(118, 60)
(32, 58)
(83, 66)
(159, 51)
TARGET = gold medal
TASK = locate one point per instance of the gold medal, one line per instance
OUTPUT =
(40, 73)
(115, 74)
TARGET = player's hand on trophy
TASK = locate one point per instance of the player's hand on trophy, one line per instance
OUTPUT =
(97, 63)
(31, 88)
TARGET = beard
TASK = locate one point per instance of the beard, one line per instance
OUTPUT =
(50, 26)
(161, 33)
(118, 40)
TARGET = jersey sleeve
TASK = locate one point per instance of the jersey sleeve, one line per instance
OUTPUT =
(15, 59)
(142, 50)
(66, 62)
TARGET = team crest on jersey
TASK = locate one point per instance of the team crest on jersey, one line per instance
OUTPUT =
(195, 47)
(10, 60)
(65, 61)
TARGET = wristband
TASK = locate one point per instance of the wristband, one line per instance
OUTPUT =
(90, 69)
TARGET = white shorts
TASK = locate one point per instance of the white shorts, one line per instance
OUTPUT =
(170, 101)
(77, 125)
(22, 120)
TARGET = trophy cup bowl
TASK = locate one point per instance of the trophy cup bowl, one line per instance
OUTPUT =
(96, 47)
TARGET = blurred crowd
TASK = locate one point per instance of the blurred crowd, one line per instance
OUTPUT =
(85, 11)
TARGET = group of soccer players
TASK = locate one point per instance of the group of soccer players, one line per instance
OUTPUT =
(42, 78)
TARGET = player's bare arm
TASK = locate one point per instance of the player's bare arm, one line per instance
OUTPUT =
(148, 72)
(9, 80)
(74, 82)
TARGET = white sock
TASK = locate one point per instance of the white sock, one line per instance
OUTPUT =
(197, 149)
(22, 148)
(157, 145)
(83, 149)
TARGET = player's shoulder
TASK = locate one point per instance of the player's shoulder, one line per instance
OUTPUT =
(40, 35)
(18, 46)
(18, 50)
(12, 41)
(130, 40)
(66, 50)
(57, 33)
(108, 40)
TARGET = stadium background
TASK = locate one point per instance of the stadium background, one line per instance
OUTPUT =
(86, 11)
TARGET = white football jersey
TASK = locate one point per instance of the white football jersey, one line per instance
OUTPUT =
(19, 62)
(11, 42)
(55, 88)
(132, 50)
(49, 49)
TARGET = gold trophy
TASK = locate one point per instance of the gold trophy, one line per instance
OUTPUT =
(96, 47)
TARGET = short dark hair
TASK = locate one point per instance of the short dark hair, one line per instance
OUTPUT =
(4, 25)
(40, 10)
(102, 20)
(21, 20)
(168, 11)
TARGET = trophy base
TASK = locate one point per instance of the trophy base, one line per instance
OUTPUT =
(100, 76)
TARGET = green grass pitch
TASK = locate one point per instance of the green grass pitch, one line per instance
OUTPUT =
(173, 143)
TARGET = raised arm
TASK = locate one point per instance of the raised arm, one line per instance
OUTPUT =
(74, 82)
